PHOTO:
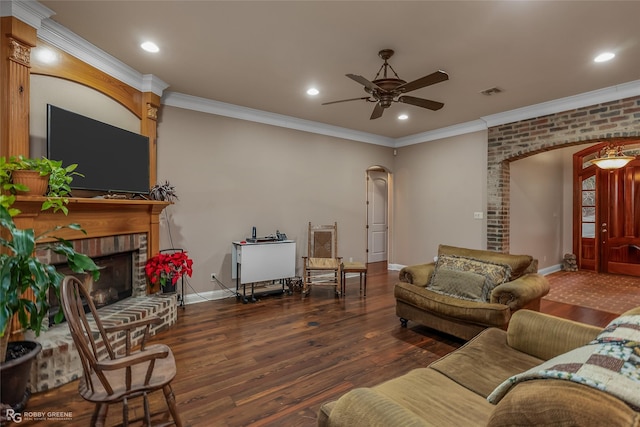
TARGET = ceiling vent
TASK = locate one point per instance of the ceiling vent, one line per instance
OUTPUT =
(491, 91)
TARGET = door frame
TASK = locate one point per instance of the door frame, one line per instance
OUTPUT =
(600, 241)
(378, 168)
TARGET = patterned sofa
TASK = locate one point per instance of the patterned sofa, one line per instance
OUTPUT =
(468, 290)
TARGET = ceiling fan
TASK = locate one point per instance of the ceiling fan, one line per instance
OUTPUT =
(386, 90)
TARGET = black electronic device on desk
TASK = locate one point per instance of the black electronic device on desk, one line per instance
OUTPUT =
(278, 237)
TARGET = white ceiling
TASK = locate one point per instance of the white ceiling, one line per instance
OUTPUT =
(265, 54)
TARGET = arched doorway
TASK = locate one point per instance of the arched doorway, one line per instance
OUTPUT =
(606, 214)
(378, 218)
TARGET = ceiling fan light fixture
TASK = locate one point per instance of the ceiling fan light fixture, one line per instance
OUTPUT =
(312, 91)
(612, 158)
(385, 89)
(403, 117)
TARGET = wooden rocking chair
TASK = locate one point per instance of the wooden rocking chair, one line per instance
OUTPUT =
(111, 378)
(322, 265)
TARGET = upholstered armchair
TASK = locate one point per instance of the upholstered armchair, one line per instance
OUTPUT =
(468, 290)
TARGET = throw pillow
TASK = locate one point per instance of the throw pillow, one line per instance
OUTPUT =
(518, 263)
(460, 284)
(494, 274)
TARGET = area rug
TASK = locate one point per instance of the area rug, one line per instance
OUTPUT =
(606, 292)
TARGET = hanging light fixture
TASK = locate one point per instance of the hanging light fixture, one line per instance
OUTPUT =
(612, 157)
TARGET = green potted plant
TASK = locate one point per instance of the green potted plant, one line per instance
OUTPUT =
(21, 270)
(53, 178)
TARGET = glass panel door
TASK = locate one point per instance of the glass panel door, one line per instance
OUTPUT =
(587, 258)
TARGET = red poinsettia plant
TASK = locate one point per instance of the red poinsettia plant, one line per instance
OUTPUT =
(165, 268)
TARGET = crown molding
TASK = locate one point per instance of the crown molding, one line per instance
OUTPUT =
(38, 16)
(611, 93)
(29, 12)
(60, 37)
(154, 84)
(446, 132)
(204, 105)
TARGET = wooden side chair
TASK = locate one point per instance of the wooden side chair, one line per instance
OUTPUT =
(113, 378)
(322, 265)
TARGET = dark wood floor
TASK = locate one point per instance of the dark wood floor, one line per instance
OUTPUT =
(272, 363)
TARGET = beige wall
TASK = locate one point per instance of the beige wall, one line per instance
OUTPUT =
(438, 187)
(542, 205)
(537, 207)
(231, 175)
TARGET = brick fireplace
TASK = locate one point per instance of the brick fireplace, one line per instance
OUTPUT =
(616, 120)
(115, 283)
(58, 362)
(121, 259)
(112, 227)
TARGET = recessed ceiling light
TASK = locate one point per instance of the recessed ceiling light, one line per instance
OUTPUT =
(312, 91)
(604, 57)
(403, 117)
(150, 47)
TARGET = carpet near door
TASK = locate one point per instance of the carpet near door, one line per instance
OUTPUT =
(606, 292)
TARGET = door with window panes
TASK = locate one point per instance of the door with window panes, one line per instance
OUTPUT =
(587, 249)
(607, 214)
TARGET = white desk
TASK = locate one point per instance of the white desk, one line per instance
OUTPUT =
(260, 262)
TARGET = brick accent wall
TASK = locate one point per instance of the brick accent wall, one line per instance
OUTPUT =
(615, 120)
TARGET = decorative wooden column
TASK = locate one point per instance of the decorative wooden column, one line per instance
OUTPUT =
(148, 127)
(16, 41)
(98, 217)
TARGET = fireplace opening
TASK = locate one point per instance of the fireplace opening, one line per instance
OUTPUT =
(114, 284)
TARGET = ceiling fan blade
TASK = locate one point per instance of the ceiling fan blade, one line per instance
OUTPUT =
(433, 78)
(377, 112)
(364, 82)
(419, 102)
(346, 100)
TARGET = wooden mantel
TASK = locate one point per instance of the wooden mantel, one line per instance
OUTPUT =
(98, 217)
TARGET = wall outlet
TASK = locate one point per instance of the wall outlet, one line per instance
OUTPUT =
(478, 215)
(213, 277)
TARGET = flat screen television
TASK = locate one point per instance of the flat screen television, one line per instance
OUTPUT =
(112, 160)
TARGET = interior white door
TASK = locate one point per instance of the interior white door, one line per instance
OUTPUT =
(377, 216)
